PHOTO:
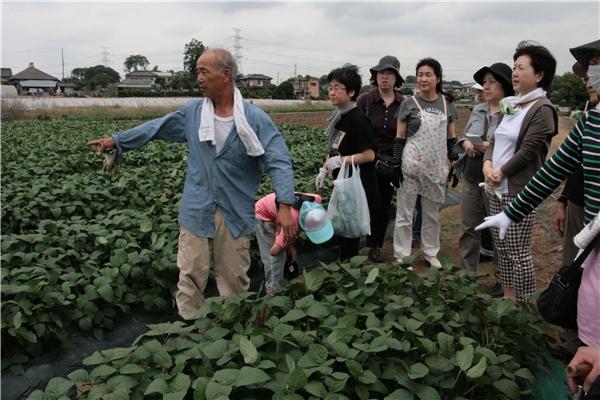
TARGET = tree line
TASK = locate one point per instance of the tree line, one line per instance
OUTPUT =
(566, 90)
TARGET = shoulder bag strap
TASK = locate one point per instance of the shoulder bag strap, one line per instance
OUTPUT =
(578, 262)
(486, 126)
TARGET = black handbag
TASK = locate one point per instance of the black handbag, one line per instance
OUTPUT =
(557, 304)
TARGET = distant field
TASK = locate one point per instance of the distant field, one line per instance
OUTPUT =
(128, 108)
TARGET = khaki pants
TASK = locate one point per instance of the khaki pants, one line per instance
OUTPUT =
(231, 261)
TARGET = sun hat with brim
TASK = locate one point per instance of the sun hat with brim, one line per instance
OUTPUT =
(388, 62)
(584, 53)
(315, 222)
(502, 73)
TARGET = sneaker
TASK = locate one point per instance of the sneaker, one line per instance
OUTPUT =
(433, 262)
(405, 261)
(375, 255)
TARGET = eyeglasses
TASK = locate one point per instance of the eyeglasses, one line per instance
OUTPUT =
(336, 88)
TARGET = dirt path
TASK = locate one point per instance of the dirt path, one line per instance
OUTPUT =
(547, 245)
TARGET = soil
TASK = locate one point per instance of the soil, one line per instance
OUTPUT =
(311, 118)
(547, 244)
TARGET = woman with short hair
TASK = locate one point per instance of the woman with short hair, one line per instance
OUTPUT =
(350, 140)
(580, 148)
(518, 148)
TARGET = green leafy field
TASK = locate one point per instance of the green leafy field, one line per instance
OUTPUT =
(346, 331)
(80, 247)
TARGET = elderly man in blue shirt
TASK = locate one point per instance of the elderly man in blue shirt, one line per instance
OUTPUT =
(230, 143)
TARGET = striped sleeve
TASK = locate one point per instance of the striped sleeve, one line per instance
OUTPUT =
(554, 171)
(591, 166)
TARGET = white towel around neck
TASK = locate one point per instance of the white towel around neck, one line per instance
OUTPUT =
(206, 132)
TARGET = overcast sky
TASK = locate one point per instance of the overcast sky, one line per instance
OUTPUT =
(278, 39)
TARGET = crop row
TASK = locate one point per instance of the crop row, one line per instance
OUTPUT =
(81, 247)
(347, 331)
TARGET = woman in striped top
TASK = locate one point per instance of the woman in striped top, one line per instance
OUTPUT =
(581, 147)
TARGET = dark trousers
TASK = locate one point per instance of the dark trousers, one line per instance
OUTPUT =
(380, 216)
(486, 240)
(348, 247)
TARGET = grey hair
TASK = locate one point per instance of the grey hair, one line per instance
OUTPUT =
(225, 60)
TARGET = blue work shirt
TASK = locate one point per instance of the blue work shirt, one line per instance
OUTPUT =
(228, 179)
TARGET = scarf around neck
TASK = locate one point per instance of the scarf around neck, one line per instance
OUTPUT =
(206, 132)
(512, 105)
(335, 117)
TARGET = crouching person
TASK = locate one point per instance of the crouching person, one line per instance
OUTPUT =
(274, 247)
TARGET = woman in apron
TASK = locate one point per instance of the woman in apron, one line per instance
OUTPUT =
(424, 139)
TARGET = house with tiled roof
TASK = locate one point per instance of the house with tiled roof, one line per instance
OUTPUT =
(143, 79)
(34, 81)
(254, 81)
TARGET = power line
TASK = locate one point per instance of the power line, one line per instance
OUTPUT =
(309, 49)
(237, 49)
(326, 62)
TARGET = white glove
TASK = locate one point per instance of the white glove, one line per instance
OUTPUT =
(588, 233)
(500, 220)
(491, 190)
(320, 180)
(332, 163)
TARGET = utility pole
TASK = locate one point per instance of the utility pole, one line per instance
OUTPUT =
(297, 86)
(237, 47)
(62, 57)
(105, 54)
(278, 79)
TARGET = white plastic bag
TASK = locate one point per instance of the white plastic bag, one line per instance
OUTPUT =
(348, 209)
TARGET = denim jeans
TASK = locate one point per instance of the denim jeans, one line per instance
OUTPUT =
(273, 265)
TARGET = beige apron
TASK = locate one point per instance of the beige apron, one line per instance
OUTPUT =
(424, 158)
